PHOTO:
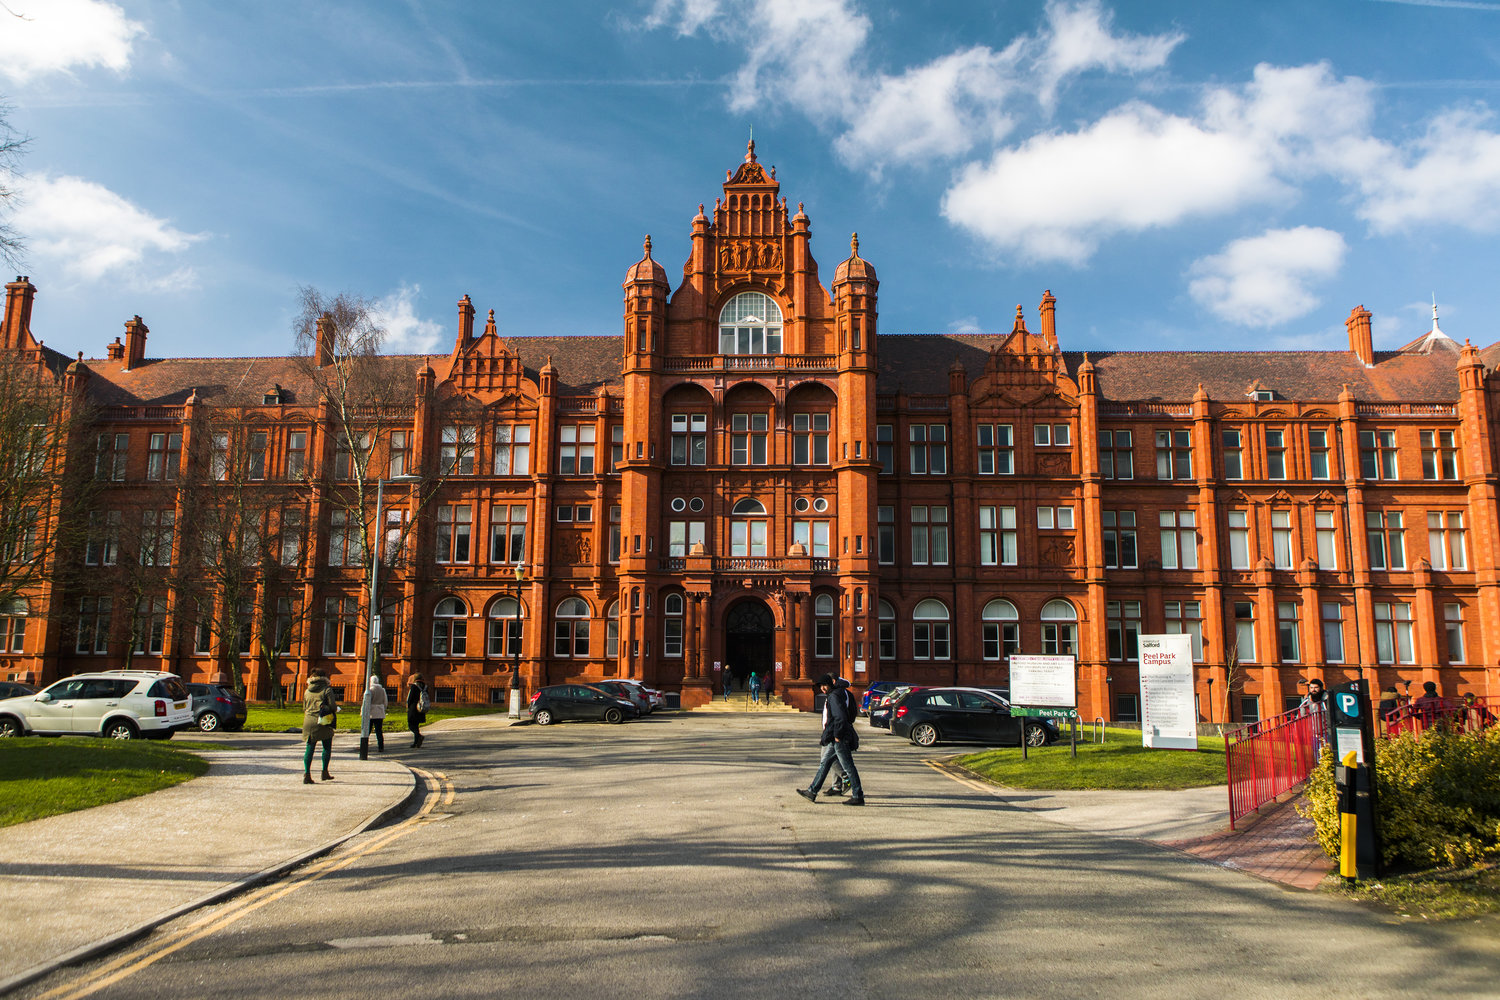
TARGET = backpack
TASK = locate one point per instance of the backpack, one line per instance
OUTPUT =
(423, 703)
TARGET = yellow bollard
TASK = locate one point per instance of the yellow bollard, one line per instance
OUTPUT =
(1347, 865)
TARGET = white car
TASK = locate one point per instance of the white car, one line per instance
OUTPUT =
(654, 698)
(120, 704)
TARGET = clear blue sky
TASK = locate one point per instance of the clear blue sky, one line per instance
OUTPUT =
(1193, 174)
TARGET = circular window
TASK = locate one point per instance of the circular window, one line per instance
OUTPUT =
(679, 504)
(695, 504)
(801, 505)
(820, 505)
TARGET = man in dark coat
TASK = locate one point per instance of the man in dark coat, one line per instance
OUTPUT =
(839, 740)
(416, 708)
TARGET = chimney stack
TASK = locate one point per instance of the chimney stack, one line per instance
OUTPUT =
(135, 342)
(1359, 335)
(465, 323)
(1048, 312)
(19, 296)
(324, 355)
(115, 351)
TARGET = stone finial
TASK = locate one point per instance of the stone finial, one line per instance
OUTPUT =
(853, 240)
(750, 149)
(646, 246)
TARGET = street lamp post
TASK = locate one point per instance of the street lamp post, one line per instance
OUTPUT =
(372, 642)
(515, 674)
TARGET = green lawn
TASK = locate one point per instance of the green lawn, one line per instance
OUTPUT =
(1120, 762)
(1460, 894)
(266, 718)
(44, 777)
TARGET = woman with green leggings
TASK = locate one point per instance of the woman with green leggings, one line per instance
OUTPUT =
(318, 714)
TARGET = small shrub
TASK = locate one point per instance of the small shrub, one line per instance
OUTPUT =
(1439, 798)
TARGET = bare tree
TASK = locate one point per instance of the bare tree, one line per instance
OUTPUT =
(12, 143)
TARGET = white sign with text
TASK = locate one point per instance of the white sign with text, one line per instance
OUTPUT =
(1043, 681)
(1169, 710)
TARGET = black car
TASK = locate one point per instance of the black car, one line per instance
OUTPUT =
(15, 689)
(947, 715)
(579, 701)
(217, 706)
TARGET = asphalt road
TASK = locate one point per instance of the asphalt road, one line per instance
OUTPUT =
(671, 858)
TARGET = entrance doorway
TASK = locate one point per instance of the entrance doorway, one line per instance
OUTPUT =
(750, 641)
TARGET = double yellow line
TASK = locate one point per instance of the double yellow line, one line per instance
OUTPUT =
(440, 791)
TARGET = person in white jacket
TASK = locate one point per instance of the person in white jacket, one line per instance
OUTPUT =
(375, 694)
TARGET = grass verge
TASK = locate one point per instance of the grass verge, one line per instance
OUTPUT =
(1120, 762)
(1447, 894)
(269, 719)
(46, 777)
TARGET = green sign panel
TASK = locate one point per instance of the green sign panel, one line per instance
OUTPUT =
(1034, 712)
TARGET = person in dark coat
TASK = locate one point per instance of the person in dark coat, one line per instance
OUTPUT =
(319, 711)
(839, 740)
(416, 708)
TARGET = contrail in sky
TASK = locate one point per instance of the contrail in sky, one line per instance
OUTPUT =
(1461, 4)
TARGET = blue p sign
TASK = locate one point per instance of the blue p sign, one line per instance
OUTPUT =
(1348, 704)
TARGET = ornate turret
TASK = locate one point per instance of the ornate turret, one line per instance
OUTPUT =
(855, 290)
(646, 290)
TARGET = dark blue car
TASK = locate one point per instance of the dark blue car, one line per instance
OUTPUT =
(872, 692)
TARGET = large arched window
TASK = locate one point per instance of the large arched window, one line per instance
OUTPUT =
(570, 636)
(672, 607)
(1059, 629)
(823, 644)
(929, 631)
(750, 323)
(504, 634)
(887, 631)
(450, 628)
(748, 538)
(1001, 630)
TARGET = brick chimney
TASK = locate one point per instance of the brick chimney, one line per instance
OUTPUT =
(19, 296)
(1359, 335)
(135, 342)
(114, 351)
(323, 355)
(1048, 313)
(466, 323)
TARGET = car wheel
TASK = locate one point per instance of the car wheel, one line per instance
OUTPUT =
(613, 716)
(11, 727)
(1036, 736)
(120, 729)
(208, 722)
(543, 717)
(924, 734)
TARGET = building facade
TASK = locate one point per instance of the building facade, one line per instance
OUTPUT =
(753, 477)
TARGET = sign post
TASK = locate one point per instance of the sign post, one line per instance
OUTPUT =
(1353, 734)
(1042, 687)
(1169, 711)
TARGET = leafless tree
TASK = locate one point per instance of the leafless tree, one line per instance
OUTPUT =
(12, 143)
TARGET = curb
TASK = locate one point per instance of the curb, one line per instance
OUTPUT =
(270, 874)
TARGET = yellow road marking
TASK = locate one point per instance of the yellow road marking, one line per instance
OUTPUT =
(439, 788)
(940, 768)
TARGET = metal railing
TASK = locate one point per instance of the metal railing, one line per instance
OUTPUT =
(1418, 717)
(1269, 758)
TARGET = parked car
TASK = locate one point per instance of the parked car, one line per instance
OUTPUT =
(633, 693)
(15, 689)
(874, 693)
(946, 715)
(654, 698)
(880, 714)
(579, 701)
(122, 704)
(217, 706)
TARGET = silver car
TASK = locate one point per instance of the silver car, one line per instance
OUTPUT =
(121, 704)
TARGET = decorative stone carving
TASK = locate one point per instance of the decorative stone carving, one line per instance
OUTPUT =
(750, 255)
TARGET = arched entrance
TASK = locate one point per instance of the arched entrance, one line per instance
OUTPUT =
(749, 640)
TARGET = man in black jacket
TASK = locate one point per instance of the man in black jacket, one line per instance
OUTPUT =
(839, 740)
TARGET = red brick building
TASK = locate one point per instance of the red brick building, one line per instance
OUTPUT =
(752, 476)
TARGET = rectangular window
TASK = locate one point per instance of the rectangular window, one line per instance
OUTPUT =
(1174, 455)
(1323, 523)
(400, 453)
(296, 454)
(997, 536)
(813, 537)
(457, 455)
(1317, 454)
(345, 546)
(103, 544)
(1333, 632)
(1179, 539)
(683, 535)
(810, 439)
(1041, 435)
(1281, 539)
(996, 450)
(575, 450)
(928, 449)
(93, 625)
(291, 537)
(340, 626)
(1393, 634)
(513, 450)
(1123, 627)
(1453, 624)
(1000, 638)
(1387, 539)
(1445, 540)
(1127, 707)
(1439, 455)
(929, 640)
(1119, 539)
(1377, 454)
(150, 625)
(885, 536)
(1244, 631)
(885, 449)
(1275, 454)
(1116, 455)
(351, 455)
(1050, 518)
(747, 538)
(218, 456)
(1186, 618)
(111, 452)
(454, 524)
(163, 456)
(614, 534)
(1286, 632)
(689, 445)
(1249, 708)
(929, 536)
(748, 434)
(157, 529)
(1233, 465)
(616, 448)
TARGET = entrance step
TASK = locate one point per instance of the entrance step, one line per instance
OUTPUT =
(739, 701)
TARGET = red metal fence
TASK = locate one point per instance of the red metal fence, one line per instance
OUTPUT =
(1270, 757)
(1420, 716)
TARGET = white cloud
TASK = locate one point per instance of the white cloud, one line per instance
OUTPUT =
(405, 331)
(92, 233)
(1450, 175)
(1079, 38)
(1264, 280)
(965, 325)
(54, 36)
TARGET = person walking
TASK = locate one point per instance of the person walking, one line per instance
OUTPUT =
(754, 688)
(417, 703)
(839, 740)
(728, 682)
(375, 694)
(319, 712)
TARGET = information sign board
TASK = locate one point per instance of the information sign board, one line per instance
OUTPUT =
(1043, 681)
(1169, 712)
(1035, 712)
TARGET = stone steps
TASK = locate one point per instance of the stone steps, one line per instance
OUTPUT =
(739, 701)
